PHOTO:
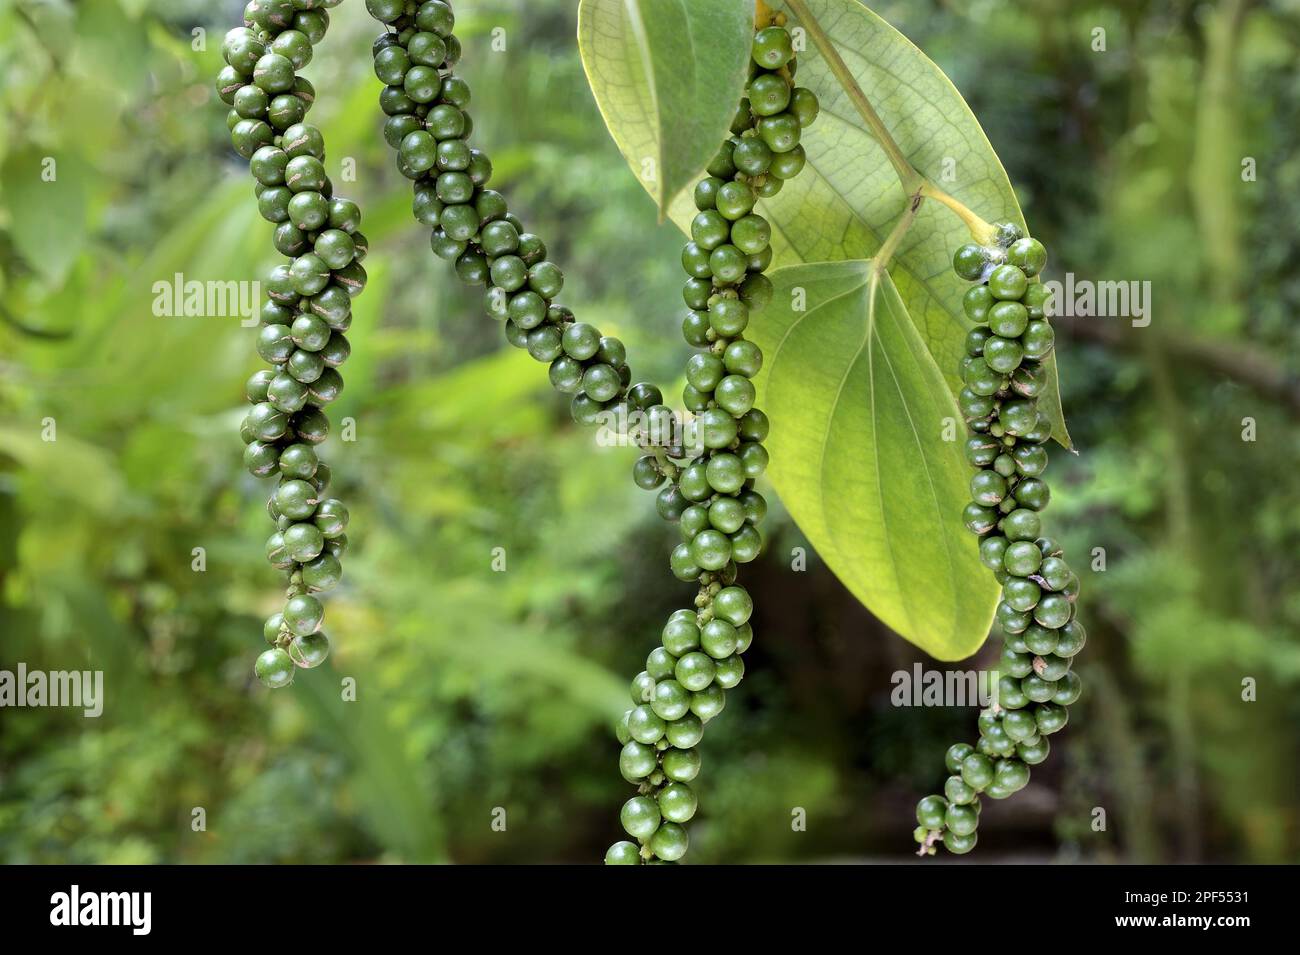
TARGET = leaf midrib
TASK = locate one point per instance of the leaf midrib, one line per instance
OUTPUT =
(825, 442)
(929, 476)
(873, 288)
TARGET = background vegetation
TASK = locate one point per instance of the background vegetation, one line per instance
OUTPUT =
(479, 689)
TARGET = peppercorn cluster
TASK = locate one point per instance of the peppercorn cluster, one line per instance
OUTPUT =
(1004, 375)
(306, 316)
(710, 494)
(428, 124)
(709, 490)
(704, 473)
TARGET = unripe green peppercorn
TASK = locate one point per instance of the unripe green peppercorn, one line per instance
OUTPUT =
(976, 772)
(669, 842)
(623, 853)
(671, 700)
(637, 760)
(275, 668)
(931, 812)
(677, 803)
(1007, 283)
(681, 765)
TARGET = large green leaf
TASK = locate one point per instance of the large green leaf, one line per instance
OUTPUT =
(667, 75)
(848, 197)
(839, 210)
(865, 456)
(45, 194)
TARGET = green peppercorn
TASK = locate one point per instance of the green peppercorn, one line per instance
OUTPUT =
(752, 156)
(324, 571)
(267, 423)
(681, 765)
(1021, 524)
(1003, 355)
(781, 133)
(751, 234)
(988, 488)
(1037, 689)
(660, 664)
(1008, 319)
(1007, 283)
(275, 668)
(677, 802)
(637, 760)
(772, 48)
(708, 703)
(694, 671)
(969, 261)
(261, 459)
(1031, 460)
(645, 726)
(671, 700)
(1028, 255)
(931, 811)
(681, 635)
(1070, 639)
(640, 817)
(729, 671)
(788, 164)
(623, 853)
(711, 550)
(976, 772)
(1022, 558)
(735, 394)
(727, 264)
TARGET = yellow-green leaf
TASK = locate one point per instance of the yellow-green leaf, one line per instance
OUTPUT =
(667, 76)
(45, 194)
(848, 197)
(867, 455)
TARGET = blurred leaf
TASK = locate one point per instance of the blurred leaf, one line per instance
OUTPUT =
(391, 788)
(68, 467)
(858, 411)
(48, 218)
(108, 41)
(667, 75)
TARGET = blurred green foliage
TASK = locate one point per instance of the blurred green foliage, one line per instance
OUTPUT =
(478, 689)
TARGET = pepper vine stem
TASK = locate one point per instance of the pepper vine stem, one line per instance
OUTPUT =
(912, 181)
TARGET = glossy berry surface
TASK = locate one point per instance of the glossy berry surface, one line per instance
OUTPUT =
(706, 489)
(705, 486)
(1004, 382)
(309, 298)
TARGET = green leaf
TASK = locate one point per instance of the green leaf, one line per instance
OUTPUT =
(109, 40)
(66, 468)
(844, 203)
(852, 181)
(859, 454)
(46, 198)
(392, 789)
(667, 76)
